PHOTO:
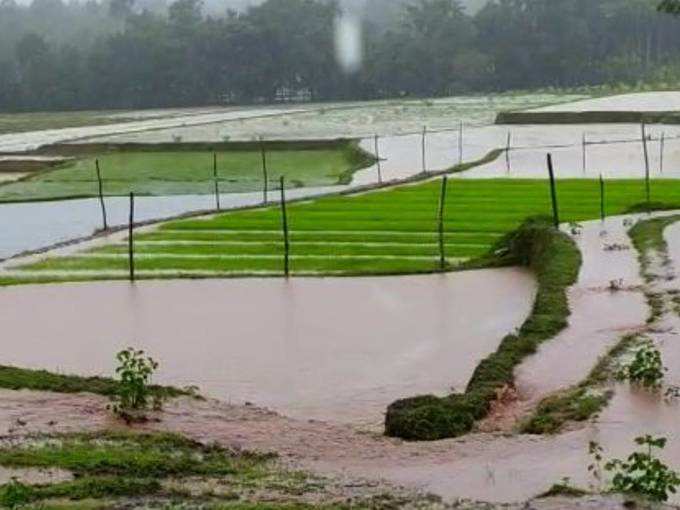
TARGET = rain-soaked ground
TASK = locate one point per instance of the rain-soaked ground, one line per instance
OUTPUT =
(329, 349)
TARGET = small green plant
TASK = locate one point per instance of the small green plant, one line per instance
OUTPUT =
(646, 369)
(135, 370)
(643, 473)
(15, 494)
(596, 453)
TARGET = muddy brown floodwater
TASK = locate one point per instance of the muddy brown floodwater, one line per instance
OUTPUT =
(495, 467)
(328, 349)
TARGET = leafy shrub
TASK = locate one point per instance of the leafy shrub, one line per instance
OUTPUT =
(135, 371)
(646, 369)
(643, 473)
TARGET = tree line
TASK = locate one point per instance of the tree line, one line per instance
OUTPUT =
(118, 54)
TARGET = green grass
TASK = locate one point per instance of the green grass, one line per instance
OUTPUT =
(110, 465)
(647, 237)
(157, 470)
(127, 455)
(555, 260)
(577, 404)
(13, 378)
(169, 169)
(390, 231)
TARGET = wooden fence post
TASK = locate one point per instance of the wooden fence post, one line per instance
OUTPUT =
(553, 192)
(265, 189)
(585, 161)
(284, 225)
(217, 182)
(662, 142)
(424, 156)
(602, 208)
(460, 144)
(131, 245)
(377, 158)
(507, 151)
(101, 194)
(646, 156)
(440, 222)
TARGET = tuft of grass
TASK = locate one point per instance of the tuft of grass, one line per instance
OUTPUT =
(556, 261)
(563, 489)
(577, 404)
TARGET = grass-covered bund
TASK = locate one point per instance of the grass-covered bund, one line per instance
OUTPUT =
(187, 168)
(381, 232)
(555, 260)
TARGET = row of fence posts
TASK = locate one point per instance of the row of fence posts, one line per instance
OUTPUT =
(131, 215)
(216, 183)
(645, 150)
(284, 228)
(603, 212)
(553, 194)
(423, 145)
(442, 196)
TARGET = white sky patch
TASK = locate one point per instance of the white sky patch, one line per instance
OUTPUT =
(348, 43)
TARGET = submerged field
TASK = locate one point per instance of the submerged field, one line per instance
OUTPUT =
(34, 121)
(188, 169)
(382, 232)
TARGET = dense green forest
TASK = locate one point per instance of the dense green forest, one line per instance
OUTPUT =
(122, 54)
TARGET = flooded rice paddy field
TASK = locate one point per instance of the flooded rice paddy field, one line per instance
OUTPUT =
(240, 339)
(353, 119)
(34, 225)
(401, 155)
(21, 142)
(502, 468)
(392, 231)
(182, 170)
(277, 343)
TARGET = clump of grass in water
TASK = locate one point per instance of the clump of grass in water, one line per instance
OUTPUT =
(563, 489)
(647, 237)
(583, 401)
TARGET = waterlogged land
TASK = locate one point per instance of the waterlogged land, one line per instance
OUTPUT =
(488, 467)
(383, 232)
(178, 170)
(355, 119)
